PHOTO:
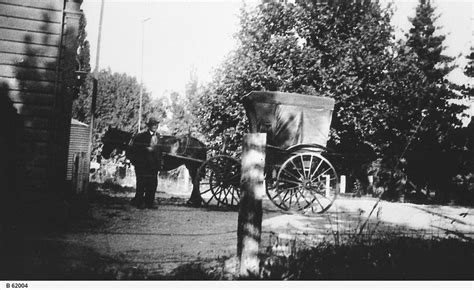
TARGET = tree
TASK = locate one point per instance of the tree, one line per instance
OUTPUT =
(180, 120)
(465, 177)
(338, 50)
(117, 103)
(437, 136)
(117, 97)
(83, 55)
(469, 70)
(428, 45)
(345, 50)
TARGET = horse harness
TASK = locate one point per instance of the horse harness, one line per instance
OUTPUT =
(185, 145)
(180, 147)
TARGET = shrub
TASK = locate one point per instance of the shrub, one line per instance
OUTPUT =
(395, 258)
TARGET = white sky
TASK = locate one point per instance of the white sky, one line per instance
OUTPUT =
(197, 35)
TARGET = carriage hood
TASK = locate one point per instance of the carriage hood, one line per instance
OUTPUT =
(289, 118)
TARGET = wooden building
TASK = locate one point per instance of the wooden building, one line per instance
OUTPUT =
(38, 44)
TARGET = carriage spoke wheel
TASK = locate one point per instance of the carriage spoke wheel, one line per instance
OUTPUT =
(219, 181)
(306, 181)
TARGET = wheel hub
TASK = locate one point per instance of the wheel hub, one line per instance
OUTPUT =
(307, 184)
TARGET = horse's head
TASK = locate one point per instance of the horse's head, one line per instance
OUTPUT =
(114, 139)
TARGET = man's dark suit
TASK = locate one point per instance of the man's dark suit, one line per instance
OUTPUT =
(146, 164)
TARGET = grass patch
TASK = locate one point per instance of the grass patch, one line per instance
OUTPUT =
(109, 185)
(395, 258)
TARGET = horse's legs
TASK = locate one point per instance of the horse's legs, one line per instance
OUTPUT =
(195, 198)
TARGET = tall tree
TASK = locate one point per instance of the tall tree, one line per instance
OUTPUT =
(308, 47)
(427, 43)
(437, 134)
(344, 50)
(83, 55)
(181, 121)
(117, 103)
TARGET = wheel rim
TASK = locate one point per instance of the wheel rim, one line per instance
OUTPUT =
(306, 181)
(219, 181)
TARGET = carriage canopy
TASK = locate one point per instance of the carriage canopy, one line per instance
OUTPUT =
(288, 118)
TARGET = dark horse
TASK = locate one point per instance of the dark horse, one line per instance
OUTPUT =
(177, 151)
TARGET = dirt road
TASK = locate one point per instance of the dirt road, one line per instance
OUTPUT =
(117, 241)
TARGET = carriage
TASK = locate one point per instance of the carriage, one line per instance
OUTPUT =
(297, 175)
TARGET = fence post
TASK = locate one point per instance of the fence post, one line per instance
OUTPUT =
(250, 213)
(343, 184)
(327, 177)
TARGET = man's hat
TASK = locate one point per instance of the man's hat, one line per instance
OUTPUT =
(152, 121)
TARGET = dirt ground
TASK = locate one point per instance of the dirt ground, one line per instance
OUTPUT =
(110, 239)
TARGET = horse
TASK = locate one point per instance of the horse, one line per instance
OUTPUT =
(192, 151)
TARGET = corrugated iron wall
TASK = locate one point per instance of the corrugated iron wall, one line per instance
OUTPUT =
(78, 158)
(78, 142)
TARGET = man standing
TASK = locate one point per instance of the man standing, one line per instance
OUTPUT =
(146, 161)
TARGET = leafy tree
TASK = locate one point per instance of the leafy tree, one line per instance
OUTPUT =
(117, 103)
(180, 120)
(117, 96)
(346, 51)
(338, 50)
(465, 178)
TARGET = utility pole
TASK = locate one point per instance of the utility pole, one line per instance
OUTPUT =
(95, 79)
(141, 74)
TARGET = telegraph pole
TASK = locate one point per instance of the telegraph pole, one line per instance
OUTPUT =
(141, 74)
(95, 79)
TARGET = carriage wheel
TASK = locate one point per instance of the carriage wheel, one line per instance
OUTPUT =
(219, 181)
(306, 181)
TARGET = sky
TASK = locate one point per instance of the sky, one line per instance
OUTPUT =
(195, 35)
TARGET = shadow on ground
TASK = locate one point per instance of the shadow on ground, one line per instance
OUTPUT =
(105, 238)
